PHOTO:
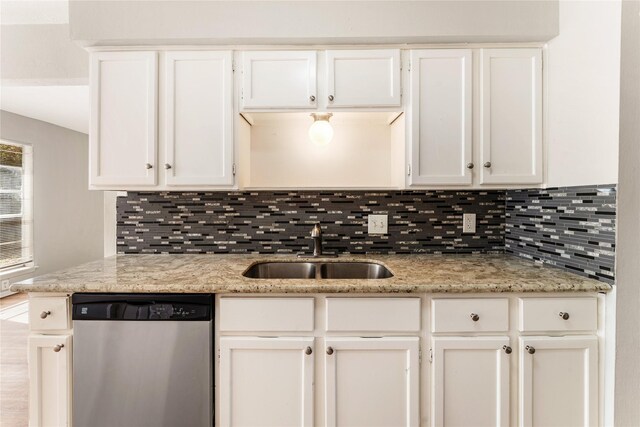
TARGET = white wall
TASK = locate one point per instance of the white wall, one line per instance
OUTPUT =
(310, 22)
(582, 95)
(68, 218)
(627, 387)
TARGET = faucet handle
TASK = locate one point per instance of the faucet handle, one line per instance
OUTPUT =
(316, 231)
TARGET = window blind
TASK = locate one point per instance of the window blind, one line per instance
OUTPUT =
(16, 201)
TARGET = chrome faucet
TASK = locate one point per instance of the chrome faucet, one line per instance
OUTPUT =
(316, 235)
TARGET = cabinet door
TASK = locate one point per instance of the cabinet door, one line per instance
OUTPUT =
(511, 116)
(266, 381)
(441, 117)
(122, 136)
(559, 381)
(363, 78)
(49, 380)
(372, 381)
(199, 118)
(279, 80)
(470, 381)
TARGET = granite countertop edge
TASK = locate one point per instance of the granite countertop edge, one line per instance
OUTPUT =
(222, 274)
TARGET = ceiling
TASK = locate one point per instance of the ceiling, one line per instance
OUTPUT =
(66, 106)
(29, 12)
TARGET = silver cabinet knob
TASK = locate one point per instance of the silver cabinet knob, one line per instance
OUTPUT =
(487, 164)
(564, 315)
(475, 317)
(308, 351)
(148, 166)
(167, 166)
(44, 314)
(58, 348)
(470, 165)
(312, 98)
(329, 351)
(530, 349)
(330, 97)
(507, 349)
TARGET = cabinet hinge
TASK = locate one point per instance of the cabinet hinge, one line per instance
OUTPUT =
(233, 66)
(218, 354)
(233, 169)
(430, 355)
(420, 356)
(409, 169)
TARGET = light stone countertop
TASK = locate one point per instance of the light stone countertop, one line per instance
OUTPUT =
(223, 274)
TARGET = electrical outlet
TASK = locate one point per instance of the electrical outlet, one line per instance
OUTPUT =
(378, 224)
(469, 223)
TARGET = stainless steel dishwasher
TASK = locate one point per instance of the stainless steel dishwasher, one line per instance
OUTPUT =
(142, 360)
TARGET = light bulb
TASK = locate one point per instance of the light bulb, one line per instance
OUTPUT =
(321, 132)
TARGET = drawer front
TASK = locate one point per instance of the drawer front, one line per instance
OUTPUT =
(49, 313)
(470, 315)
(558, 314)
(373, 314)
(266, 314)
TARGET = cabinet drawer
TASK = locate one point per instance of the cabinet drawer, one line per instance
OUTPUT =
(49, 313)
(373, 314)
(558, 314)
(266, 314)
(470, 315)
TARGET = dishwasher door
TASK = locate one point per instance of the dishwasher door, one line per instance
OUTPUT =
(142, 373)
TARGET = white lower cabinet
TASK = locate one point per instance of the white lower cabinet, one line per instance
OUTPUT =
(470, 381)
(372, 381)
(559, 381)
(49, 380)
(266, 381)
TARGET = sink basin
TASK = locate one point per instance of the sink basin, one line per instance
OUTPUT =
(317, 270)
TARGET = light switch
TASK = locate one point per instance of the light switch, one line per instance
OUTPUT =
(378, 224)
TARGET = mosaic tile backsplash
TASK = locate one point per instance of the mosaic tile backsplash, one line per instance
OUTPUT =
(569, 227)
(281, 222)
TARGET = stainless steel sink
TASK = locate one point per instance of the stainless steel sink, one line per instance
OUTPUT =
(317, 270)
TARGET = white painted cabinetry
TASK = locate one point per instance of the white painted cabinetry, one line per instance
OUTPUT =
(441, 113)
(372, 381)
(198, 118)
(123, 126)
(511, 116)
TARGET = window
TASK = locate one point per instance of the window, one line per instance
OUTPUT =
(16, 201)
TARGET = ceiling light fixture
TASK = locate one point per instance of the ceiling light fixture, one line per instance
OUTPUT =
(321, 132)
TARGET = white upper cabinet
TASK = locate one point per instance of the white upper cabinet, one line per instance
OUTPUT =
(198, 118)
(441, 109)
(122, 136)
(363, 78)
(279, 80)
(511, 116)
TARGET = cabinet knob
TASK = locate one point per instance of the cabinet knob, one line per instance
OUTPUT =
(470, 165)
(44, 314)
(487, 164)
(148, 166)
(507, 349)
(58, 348)
(329, 351)
(530, 349)
(308, 351)
(564, 315)
(167, 166)
(312, 98)
(475, 317)
(330, 97)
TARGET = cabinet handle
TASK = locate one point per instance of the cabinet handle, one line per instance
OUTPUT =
(507, 349)
(167, 166)
(312, 98)
(564, 315)
(148, 166)
(530, 349)
(44, 314)
(470, 165)
(487, 164)
(475, 317)
(329, 351)
(308, 351)
(330, 97)
(58, 348)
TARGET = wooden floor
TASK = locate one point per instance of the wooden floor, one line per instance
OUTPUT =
(14, 380)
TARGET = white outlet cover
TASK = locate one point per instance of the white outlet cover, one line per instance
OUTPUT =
(378, 224)
(469, 223)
